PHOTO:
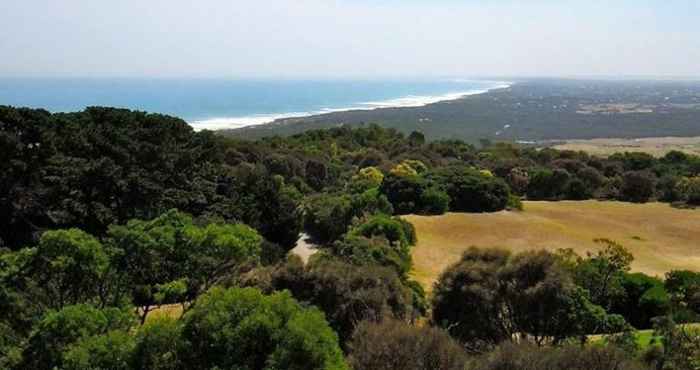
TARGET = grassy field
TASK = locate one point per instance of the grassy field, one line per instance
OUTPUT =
(661, 238)
(656, 146)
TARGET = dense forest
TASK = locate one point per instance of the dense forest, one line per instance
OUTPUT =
(530, 110)
(109, 215)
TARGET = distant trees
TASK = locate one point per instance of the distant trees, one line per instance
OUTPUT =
(637, 186)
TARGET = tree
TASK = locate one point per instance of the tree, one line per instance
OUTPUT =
(416, 138)
(171, 260)
(404, 192)
(67, 335)
(472, 191)
(394, 345)
(365, 179)
(346, 293)
(644, 298)
(490, 296)
(602, 273)
(688, 189)
(68, 267)
(637, 186)
(242, 328)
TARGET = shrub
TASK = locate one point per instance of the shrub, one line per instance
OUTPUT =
(471, 191)
(394, 345)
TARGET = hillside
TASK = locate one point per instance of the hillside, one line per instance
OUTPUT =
(660, 237)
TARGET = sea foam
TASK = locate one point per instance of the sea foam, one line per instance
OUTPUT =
(411, 101)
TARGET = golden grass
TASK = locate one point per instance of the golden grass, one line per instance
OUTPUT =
(656, 146)
(661, 238)
(173, 311)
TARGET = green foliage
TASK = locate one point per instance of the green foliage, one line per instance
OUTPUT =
(169, 259)
(367, 178)
(644, 298)
(397, 231)
(434, 201)
(637, 186)
(242, 328)
(346, 293)
(603, 273)
(490, 296)
(159, 345)
(688, 189)
(68, 336)
(67, 267)
(112, 350)
(472, 191)
(526, 356)
(394, 345)
(404, 192)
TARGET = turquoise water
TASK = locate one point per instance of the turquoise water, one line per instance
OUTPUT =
(230, 103)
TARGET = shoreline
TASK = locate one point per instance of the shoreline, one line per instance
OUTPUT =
(410, 101)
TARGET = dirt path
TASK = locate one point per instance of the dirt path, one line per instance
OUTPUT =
(305, 248)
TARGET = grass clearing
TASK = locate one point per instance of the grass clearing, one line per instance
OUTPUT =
(656, 146)
(660, 237)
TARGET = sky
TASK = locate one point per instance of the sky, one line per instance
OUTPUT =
(349, 38)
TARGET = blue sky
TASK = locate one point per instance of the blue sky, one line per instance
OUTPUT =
(349, 38)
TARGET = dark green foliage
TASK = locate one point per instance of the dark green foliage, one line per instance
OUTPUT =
(65, 334)
(603, 273)
(435, 201)
(546, 184)
(346, 293)
(489, 297)
(394, 345)
(404, 192)
(472, 191)
(244, 329)
(159, 345)
(645, 298)
(637, 186)
(327, 217)
(397, 231)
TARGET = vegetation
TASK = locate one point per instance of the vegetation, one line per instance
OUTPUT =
(107, 215)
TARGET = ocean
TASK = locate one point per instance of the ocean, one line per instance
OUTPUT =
(220, 104)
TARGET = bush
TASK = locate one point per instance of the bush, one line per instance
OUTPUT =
(404, 192)
(434, 202)
(394, 345)
(472, 191)
(637, 186)
(526, 356)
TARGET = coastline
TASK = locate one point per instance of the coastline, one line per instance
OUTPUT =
(411, 101)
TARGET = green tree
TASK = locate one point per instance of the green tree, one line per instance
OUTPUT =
(490, 296)
(242, 328)
(67, 336)
(169, 259)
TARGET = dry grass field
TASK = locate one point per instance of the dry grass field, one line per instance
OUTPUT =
(656, 146)
(661, 238)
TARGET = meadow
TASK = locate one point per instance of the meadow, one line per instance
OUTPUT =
(660, 237)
